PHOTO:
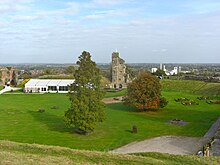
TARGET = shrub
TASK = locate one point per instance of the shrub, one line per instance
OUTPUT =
(163, 102)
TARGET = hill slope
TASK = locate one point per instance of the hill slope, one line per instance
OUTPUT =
(189, 86)
(18, 153)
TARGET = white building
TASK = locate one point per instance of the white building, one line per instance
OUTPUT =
(153, 70)
(47, 86)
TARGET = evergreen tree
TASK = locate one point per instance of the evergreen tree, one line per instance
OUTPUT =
(86, 96)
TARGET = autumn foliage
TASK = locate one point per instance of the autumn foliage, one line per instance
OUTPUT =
(144, 92)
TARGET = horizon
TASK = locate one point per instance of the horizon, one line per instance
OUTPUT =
(107, 63)
(145, 31)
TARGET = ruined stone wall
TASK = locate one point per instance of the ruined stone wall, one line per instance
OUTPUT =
(9, 76)
(118, 71)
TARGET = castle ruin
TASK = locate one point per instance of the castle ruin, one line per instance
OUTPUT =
(9, 76)
(119, 75)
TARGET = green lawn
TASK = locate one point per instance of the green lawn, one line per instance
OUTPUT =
(19, 154)
(191, 86)
(21, 122)
(1, 87)
(115, 93)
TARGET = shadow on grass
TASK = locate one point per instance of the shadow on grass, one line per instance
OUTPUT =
(130, 131)
(126, 108)
(53, 122)
(121, 107)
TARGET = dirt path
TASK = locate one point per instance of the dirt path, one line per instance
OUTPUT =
(165, 144)
(8, 89)
(112, 100)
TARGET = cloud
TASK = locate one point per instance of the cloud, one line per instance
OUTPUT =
(95, 16)
(102, 26)
(27, 18)
(13, 5)
(106, 3)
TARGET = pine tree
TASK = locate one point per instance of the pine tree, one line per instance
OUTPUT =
(86, 96)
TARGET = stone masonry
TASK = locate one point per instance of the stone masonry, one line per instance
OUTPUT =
(119, 76)
(9, 76)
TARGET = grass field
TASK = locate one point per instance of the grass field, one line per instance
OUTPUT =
(19, 154)
(190, 86)
(115, 93)
(21, 122)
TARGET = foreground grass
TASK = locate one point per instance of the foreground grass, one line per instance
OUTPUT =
(21, 122)
(19, 154)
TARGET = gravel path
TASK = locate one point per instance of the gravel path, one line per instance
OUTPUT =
(165, 144)
(214, 128)
(177, 145)
(112, 100)
(8, 89)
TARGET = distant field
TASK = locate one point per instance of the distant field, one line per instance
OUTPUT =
(1, 87)
(19, 154)
(190, 86)
(21, 122)
(186, 86)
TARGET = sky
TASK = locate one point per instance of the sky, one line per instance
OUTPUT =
(142, 31)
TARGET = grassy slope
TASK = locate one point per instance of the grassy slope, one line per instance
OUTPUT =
(190, 86)
(16, 153)
(21, 122)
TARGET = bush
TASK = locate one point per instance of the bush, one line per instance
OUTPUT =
(41, 110)
(203, 98)
(190, 102)
(55, 107)
(181, 99)
(163, 102)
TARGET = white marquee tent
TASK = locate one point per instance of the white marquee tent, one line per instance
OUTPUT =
(47, 85)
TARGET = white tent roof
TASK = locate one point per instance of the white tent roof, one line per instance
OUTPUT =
(66, 82)
(42, 83)
(53, 83)
(31, 83)
(48, 82)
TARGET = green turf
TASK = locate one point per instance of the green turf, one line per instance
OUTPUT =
(16, 91)
(115, 93)
(21, 122)
(191, 86)
(19, 154)
(1, 87)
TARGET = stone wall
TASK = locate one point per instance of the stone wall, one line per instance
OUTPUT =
(9, 76)
(118, 71)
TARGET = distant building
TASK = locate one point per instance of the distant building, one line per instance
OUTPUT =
(119, 75)
(47, 86)
(175, 70)
(153, 70)
(9, 76)
(161, 66)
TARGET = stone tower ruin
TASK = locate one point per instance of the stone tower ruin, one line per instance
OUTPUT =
(119, 76)
(9, 76)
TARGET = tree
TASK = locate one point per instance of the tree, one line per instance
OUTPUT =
(159, 72)
(144, 92)
(24, 82)
(85, 96)
(104, 82)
